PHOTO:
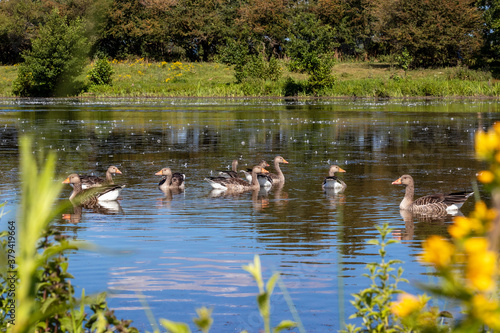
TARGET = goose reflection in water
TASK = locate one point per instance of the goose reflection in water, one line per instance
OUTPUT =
(429, 219)
(105, 208)
(168, 195)
(334, 197)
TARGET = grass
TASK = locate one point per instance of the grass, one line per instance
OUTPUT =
(142, 78)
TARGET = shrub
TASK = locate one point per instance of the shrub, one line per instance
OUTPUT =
(256, 67)
(101, 72)
(57, 57)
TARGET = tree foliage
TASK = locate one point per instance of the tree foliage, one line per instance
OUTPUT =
(435, 32)
(57, 57)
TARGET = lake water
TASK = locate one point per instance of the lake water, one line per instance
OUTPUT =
(185, 250)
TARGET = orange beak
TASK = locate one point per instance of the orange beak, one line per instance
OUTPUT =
(159, 173)
(66, 181)
(66, 216)
(118, 171)
(264, 171)
(341, 170)
(267, 164)
(397, 182)
(284, 161)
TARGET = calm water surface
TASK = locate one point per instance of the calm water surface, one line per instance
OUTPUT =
(186, 250)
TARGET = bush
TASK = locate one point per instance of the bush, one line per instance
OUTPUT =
(257, 68)
(57, 57)
(101, 72)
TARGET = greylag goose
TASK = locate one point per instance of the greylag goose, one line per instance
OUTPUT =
(273, 178)
(233, 173)
(94, 181)
(93, 195)
(332, 182)
(236, 184)
(170, 180)
(430, 204)
(248, 172)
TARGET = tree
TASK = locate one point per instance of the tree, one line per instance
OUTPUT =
(310, 48)
(435, 32)
(491, 31)
(57, 57)
(351, 21)
(264, 25)
(19, 20)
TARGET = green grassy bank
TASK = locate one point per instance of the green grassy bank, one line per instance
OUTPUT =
(141, 78)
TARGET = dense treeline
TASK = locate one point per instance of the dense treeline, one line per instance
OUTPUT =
(429, 32)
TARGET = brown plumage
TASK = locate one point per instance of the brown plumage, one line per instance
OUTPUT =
(233, 173)
(236, 184)
(248, 172)
(91, 196)
(274, 178)
(170, 180)
(95, 181)
(430, 204)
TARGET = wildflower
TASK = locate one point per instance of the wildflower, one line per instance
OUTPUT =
(405, 305)
(437, 251)
(486, 310)
(481, 265)
(461, 227)
(167, 79)
(486, 177)
(487, 143)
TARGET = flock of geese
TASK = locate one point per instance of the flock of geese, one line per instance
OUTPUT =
(90, 190)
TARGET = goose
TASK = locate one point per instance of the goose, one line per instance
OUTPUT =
(237, 184)
(233, 173)
(332, 182)
(170, 180)
(91, 196)
(89, 181)
(430, 204)
(273, 178)
(248, 172)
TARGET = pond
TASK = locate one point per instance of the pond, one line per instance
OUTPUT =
(183, 250)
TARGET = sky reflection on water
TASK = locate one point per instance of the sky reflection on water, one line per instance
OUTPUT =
(186, 250)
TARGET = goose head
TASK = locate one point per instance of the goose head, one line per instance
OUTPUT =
(403, 180)
(112, 169)
(72, 179)
(164, 172)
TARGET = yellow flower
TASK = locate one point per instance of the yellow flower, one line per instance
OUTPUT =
(481, 267)
(437, 251)
(486, 310)
(405, 305)
(486, 177)
(487, 143)
(167, 79)
(460, 228)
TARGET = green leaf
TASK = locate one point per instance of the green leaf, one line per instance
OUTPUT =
(284, 325)
(175, 327)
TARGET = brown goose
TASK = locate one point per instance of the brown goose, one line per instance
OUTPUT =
(93, 195)
(94, 181)
(170, 180)
(236, 184)
(430, 204)
(273, 178)
(233, 173)
(248, 172)
(332, 182)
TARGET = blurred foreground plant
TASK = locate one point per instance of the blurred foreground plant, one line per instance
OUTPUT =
(43, 296)
(373, 303)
